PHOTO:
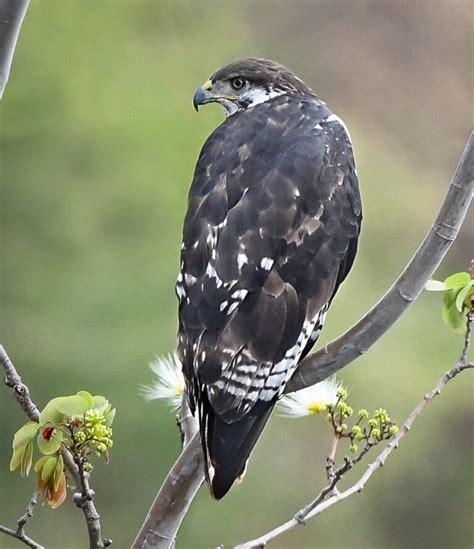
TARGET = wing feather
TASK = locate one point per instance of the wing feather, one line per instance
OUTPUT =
(271, 231)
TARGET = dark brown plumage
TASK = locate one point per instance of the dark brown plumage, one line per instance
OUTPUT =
(270, 233)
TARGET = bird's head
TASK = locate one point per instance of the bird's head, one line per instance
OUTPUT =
(249, 82)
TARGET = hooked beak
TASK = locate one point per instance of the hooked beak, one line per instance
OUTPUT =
(203, 95)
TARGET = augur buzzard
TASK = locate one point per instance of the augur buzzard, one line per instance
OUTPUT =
(271, 231)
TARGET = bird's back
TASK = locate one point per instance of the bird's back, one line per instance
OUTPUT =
(271, 231)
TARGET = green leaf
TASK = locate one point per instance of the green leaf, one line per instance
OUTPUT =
(453, 318)
(58, 471)
(457, 280)
(74, 405)
(100, 404)
(88, 397)
(22, 457)
(449, 298)
(25, 434)
(462, 295)
(48, 469)
(27, 460)
(435, 286)
(16, 458)
(51, 412)
(109, 417)
(40, 464)
(53, 444)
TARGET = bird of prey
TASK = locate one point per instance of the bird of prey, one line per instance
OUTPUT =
(271, 231)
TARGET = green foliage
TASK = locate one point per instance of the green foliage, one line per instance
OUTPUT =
(457, 300)
(369, 429)
(81, 423)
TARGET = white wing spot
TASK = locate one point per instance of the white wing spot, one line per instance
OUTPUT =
(210, 271)
(180, 291)
(242, 259)
(223, 305)
(189, 279)
(232, 308)
(239, 294)
(267, 263)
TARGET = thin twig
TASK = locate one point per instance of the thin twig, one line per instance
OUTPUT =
(23, 537)
(329, 496)
(20, 533)
(20, 390)
(85, 501)
(22, 521)
(331, 459)
(22, 395)
(173, 500)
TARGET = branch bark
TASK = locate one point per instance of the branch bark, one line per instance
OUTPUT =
(12, 13)
(177, 492)
(84, 500)
(23, 537)
(173, 500)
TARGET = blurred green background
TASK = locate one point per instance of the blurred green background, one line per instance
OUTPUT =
(98, 144)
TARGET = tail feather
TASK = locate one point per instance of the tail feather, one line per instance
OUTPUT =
(227, 446)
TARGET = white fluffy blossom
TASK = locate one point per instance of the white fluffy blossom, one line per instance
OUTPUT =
(169, 381)
(310, 400)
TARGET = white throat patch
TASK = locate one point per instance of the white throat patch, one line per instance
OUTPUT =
(252, 98)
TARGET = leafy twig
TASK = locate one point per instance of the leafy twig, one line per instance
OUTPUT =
(85, 499)
(329, 496)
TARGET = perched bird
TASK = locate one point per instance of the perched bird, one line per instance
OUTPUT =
(271, 231)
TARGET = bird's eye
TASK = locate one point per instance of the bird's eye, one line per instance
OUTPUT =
(237, 83)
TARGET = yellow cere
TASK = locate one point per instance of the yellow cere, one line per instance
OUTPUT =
(208, 85)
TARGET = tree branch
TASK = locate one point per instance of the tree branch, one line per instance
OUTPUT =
(12, 13)
(329, 496)
(177, 492)
(23, 537)
(83, 500)
(20, 533)
(173, 500)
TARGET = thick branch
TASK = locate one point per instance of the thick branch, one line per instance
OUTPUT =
(176, 493)
(173, 500)
(85, 502)
(12, 13)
